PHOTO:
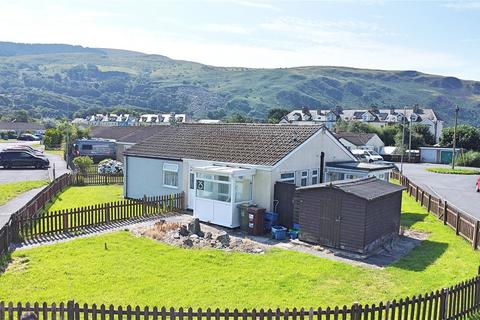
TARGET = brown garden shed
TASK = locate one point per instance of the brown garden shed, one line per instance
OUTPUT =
(356, 215)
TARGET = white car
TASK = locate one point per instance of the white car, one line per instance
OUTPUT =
(367, 155)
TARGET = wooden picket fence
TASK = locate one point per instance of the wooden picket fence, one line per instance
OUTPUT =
(457, 302)
(97, 179)
(76, 220)
(32, 207)
(464, 224)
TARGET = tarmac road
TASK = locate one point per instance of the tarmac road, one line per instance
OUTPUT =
(458, 190)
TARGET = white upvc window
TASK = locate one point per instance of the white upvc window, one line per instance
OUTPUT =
(304, 179)
(170, 175)
(314, 176)
(288, 177)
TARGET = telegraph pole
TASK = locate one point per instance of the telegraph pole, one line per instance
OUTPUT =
(409, 138)
(403, 139)
(455, 137)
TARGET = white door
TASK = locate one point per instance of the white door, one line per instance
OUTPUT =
(191, 191)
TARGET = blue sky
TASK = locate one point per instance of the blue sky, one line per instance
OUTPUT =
(441, 37)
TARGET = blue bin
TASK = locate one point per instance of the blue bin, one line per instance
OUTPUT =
(296, 226)
(293, 234)
(270, 219)
(279, 232)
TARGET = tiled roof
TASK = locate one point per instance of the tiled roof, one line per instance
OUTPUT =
(129, 134)
(27, 126)
(366, 188)
(358, 139)
(256, 144)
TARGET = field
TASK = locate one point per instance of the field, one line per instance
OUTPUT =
(74, 197)
(136, 270)
(9, 191)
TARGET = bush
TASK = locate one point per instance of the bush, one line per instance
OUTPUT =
(469, 159)
(83, 163)
(453, 171)
(53, 138)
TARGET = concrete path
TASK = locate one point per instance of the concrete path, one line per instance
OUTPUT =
(458, 190)
(13, 205)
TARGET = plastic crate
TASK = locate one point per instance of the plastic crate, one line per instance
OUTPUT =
(293, 234)
(279, 232)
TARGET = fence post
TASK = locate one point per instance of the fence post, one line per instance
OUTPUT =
(70, 310)
(144, 206)
(107, 214)
(443, 305)
(65, 220)
(356, 313)
(429, 202)
(475, 235)
(457, 223)
(445, 211)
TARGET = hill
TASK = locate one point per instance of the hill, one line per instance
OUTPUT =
(53, 80)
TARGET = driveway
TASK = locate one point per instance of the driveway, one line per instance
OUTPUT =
(458, 190)
(13, 175)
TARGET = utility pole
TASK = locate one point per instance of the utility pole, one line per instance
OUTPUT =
(403, 139)
(409, 138)
(455, 137)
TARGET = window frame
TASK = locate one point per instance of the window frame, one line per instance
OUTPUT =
(170, 168)
(315, 176)
(287, 180)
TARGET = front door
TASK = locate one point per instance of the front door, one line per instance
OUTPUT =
(191, 191)
(330, 220)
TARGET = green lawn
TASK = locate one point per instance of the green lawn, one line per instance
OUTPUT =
(9, 191)
(137, 270)
(453, 171)
(74, 197)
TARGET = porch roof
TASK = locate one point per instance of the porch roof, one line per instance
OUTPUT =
(223, 170)
(361, 166)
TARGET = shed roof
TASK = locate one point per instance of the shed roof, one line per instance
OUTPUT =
(256, 144)
(366, 188)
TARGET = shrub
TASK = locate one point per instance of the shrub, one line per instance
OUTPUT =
(453, 171)
(83, 163)
(469, 159)
(53, 138)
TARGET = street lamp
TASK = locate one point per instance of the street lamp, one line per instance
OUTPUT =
(455, 137)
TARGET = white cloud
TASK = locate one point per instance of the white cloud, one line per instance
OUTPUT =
(224, 28)
(463, 5)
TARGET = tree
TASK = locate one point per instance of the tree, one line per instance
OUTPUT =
(420, 137)
(83, 163)
(468, 137)
(53, 138)
(276, 114)
(237, 118)
(21, 116)
(424, 131)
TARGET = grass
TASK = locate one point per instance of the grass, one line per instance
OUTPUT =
(8, 191)
(137, 270)
(74, 197)
(453, 171)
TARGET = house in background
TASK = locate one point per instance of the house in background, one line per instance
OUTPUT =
(378, 117)
(354, 140)
(22, 127)
(220, 166)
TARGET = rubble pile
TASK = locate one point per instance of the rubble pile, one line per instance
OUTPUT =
(191, 236)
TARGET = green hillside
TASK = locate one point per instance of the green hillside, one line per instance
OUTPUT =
(53, 80)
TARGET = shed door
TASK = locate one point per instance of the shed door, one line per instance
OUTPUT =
(330, 219)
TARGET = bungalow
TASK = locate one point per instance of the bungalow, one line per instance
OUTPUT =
(354, 140)
(22, 127)
(220, 166)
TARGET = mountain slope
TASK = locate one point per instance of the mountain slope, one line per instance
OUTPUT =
(53, 80)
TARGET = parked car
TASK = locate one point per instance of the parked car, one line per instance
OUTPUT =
(21, 158)
(28, 137)
(367, 155)
(477, 185)
(26, 148)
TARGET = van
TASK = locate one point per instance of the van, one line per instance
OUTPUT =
(367, 155)
(97, 149)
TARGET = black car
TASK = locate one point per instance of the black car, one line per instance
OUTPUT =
(21, 158)
(28, 137)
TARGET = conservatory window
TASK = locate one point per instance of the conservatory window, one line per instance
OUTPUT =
(243, 189)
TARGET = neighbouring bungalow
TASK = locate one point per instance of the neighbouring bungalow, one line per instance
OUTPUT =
(22, 127)
(220, 166)
(356, 140)
(125, 137)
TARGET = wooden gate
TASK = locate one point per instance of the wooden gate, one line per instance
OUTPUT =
(283, 203)
(330, 222)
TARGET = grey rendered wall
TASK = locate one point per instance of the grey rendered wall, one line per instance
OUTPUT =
(144, 176)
